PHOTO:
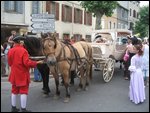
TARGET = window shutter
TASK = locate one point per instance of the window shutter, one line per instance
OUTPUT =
(75, 15)
(35, 7)
(57, 11)
(70, 14)
(90, 18)
(6, 5)
(48, 6)
(81, 16)
(84, 18)
(63, 12)
(19, 6)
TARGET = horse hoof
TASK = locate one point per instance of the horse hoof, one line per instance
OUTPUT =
(56, 97)
(78, 89)
(45, 95)
(71, 85)
(86, 89)
(66, 100)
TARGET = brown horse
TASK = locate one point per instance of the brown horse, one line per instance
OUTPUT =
(62, 58)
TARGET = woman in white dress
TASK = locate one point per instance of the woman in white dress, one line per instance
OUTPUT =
(137, 88)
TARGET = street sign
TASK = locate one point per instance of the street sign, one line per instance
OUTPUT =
(42, 30)
(44, 25)
(40, 16)
(42, 20)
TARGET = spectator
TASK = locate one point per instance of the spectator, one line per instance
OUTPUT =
(10, 39)
(136, 88)
(146, 63)
(18, 60)
(7, 47)
(134, 40)
(131, 52)
(37, 75)
(3, 71)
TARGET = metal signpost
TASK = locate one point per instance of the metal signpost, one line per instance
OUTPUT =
(43, 23)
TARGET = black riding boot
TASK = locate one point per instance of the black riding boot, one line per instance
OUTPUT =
(25, 110)
(14, 109)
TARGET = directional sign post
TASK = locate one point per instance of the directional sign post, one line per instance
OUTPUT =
(43, 23)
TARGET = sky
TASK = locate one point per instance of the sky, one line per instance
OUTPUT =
(143, 3)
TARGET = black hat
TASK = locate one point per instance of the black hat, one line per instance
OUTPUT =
(18, 38)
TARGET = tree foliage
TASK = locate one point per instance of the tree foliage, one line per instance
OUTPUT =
(142, 26)
(99, 8)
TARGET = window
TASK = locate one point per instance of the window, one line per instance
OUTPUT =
(77, 16)
(35, 7)
(53, 8)
(66, 36)
(134, 13)
(14, 6)
(137, 15)
(130, 12)
(87, 18)
(88, 38)
(77, 37)
(110, 24)
(114, 25)
(66, 13)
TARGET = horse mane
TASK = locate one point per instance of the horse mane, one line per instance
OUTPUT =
(33, 45)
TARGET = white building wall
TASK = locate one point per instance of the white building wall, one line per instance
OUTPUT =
(11, 18)
(60, 26)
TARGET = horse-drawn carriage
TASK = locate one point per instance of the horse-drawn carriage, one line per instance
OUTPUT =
(108, 46)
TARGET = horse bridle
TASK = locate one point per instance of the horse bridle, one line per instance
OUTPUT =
(43, 40)
(59, 55)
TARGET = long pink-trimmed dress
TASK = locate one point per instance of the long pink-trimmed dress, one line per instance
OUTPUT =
(136, 88)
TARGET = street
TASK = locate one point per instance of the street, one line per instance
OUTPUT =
(101, 97)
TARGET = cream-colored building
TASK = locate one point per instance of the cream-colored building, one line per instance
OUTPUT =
(133, 15)
(71, 19)
(124, 16)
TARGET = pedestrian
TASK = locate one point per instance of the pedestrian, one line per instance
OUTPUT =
(146, 63)
(10, 39)
(3, 71)
(7, 47)
(137, 88)
(18, 60)
(131, 52)
(37, 75)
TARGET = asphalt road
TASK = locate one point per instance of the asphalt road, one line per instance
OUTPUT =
(101, 97)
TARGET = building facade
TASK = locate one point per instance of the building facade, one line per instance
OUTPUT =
(133, 15)
(124, 16)
(70, 18)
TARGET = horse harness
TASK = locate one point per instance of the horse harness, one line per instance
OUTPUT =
(62, 56)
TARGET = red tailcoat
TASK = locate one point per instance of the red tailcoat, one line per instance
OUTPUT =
(18, 60)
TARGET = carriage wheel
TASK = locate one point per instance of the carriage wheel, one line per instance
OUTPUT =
(108, 69)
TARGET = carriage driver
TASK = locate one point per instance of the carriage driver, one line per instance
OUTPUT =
(18, 60)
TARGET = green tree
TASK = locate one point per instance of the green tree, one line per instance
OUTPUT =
(99, 8)
(142, 26)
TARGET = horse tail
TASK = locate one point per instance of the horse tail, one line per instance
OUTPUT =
(90, 72)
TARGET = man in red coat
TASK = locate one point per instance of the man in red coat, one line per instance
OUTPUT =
(18, 60)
